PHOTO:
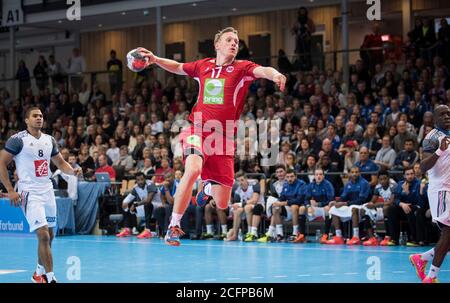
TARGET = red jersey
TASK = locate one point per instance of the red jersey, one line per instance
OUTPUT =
(222, 89)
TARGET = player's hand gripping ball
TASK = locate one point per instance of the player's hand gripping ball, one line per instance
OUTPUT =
(135, 61)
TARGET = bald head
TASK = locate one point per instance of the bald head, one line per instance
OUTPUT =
(442, 117)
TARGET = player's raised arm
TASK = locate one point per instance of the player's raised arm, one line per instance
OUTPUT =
(271, 74)
(5, 159)
(166, 64)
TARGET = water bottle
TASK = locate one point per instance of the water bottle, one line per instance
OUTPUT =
(318, 235)
(240, 235)
(403, 237)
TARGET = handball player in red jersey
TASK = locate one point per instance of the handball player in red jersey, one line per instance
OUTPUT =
(223, 85)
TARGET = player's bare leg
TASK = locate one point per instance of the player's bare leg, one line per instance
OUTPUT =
(44, 251)
(182, 197)
(440, 251)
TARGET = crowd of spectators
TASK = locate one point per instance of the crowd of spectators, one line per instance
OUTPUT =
(378, 126)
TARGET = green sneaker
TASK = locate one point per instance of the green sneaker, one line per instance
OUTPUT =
(412, 244)
(250, 238)
(206, 236)
(220, 237)
(392, 243)
(264, 239)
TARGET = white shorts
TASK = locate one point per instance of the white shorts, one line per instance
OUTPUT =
(315, 212)
(440, 206)
(345, 212)
(39, 208)
(270, 201)
(375, 214)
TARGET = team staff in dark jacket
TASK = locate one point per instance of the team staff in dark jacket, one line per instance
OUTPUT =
(407, 200)
(292, 198)
(319, 197)
(356, 192)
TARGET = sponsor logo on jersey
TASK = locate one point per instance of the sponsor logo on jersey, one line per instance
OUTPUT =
(194, 140)
(230, 69)
(214, 91)
(41, 168)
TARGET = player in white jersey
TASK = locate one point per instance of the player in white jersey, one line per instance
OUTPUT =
(436, 157)
(32, 152)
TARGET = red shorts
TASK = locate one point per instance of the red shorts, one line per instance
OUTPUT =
(218, 158)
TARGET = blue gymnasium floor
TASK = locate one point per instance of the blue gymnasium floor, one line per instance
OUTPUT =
(108, 259)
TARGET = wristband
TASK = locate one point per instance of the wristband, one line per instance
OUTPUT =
(439, 152)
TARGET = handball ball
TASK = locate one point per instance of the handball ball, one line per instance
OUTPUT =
(135, 61)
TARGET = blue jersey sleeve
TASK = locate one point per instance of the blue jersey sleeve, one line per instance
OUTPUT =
(55, 149)
(14, 145)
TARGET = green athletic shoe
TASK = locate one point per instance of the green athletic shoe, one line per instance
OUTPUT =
(206, 236)
(250, 238)
(265, 239)
(412, 244)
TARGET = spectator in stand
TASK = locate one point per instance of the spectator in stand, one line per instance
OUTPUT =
(105, 168)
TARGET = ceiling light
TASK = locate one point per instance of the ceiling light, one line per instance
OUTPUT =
(164, 17)
(100, 25)
(59, 21)
(234, 9)
(194, 4)
(124, 13)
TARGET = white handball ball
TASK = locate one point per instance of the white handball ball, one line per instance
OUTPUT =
(135, 61)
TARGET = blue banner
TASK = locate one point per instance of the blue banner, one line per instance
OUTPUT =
(12, 219)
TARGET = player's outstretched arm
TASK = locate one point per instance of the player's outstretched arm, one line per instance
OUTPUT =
(271, 74)
(166, 64)
(5, 159)
(65, 167)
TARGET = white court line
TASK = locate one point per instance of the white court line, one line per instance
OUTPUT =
(280, 276)
(328, 274)
(185, 281)
(350, 273)
(233, 279)
(10, 271)
(283, 247)
(398, 271)
(209, 280)
(303, 275)
(256, 277)
(444, 270)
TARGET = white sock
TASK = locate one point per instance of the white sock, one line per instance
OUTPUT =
(295, 230)
(224, 228)
(207, 189)
(356, 232)
(40, 270)
(50, 276)
(254, 231)
(428, 255)
(209, 229)
(433, 272)
(271, 232)
(280, 229)
(176, 218)
(338, 233)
